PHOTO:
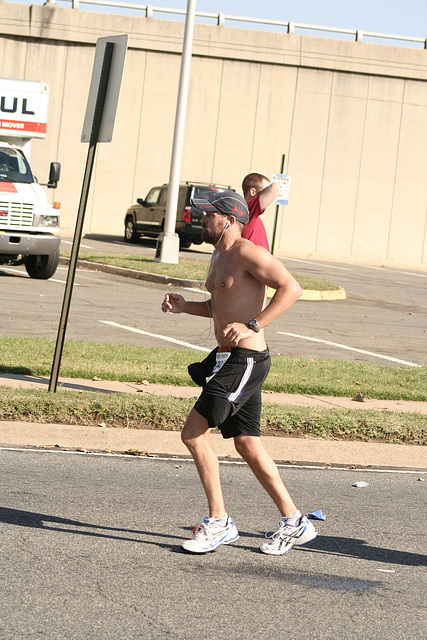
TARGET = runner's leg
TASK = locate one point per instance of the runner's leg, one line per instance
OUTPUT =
(265, 469)
(195, 436)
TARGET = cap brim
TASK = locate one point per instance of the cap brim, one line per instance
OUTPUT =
(203, 204)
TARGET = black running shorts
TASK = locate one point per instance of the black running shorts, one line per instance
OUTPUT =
(231, 398)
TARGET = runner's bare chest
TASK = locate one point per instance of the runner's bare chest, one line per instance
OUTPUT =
(224, 275)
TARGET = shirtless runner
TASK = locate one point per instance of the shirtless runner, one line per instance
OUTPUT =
(232, 375)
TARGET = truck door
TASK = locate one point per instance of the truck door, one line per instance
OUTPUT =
(145, 213)
(160, 208)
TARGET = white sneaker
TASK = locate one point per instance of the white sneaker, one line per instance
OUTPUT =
(209, 535)
(286, 535)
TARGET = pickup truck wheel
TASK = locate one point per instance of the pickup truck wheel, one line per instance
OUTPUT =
(131, 234)
(42, 267)
(184, 243)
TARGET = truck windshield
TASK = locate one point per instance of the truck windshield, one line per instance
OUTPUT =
(202, 192)
(14, 167)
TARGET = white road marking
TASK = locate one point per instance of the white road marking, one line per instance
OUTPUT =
(409, 273)
(85, 246)
(206, 293)
(344, 346)
(318, 264)
(21, 273)
(62, 282)
(386, 570)
(155, 335)
(367, 266)
(12, 270)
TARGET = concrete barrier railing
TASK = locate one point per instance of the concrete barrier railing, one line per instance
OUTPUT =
(222, 19)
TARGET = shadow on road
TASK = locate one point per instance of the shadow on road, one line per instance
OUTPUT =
(44, 521)
(20, 371)
(355, 548)
(339, 546)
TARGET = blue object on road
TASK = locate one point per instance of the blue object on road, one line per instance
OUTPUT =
(316, 515)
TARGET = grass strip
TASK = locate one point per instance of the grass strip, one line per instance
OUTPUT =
(186, 269)
(130, 363)
(166, 413)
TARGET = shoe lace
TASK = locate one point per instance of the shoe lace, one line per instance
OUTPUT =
(278, 533)
(204, 530)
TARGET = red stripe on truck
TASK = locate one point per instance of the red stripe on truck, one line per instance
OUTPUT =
(17, 125)
(8, 187)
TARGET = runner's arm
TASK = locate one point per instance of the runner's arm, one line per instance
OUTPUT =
(175, 303)
(271, 272)
(268, 195)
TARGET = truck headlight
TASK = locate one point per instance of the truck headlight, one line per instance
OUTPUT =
(49, 221)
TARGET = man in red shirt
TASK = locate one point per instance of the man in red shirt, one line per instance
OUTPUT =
(258, 192)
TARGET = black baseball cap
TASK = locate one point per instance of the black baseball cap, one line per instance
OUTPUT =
(227, 201)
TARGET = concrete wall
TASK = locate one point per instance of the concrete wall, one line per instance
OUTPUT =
(351, 118)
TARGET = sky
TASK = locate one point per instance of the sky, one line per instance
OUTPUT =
(407, 18)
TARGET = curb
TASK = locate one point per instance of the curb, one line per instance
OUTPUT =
(336, 294)
(325, 454)
(132, 273)
(308, 294)
(286, 450)
(312, 294)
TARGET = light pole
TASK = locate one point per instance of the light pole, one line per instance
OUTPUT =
(168, 242)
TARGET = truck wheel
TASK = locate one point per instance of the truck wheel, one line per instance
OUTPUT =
(42, 267)
(131, 234)
(184, 243)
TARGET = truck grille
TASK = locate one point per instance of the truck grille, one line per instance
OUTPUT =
(16, 214)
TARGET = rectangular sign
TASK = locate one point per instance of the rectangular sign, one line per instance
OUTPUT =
(113, 89)
(285, 182)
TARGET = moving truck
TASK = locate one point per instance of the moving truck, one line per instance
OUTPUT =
(28, 224)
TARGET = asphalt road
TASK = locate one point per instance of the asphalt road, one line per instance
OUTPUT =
(383, 320)
(91, 549)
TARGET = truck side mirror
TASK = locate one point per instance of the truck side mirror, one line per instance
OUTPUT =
(54, 173)
(140, 201)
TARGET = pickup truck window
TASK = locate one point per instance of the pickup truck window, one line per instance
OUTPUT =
(153, 196)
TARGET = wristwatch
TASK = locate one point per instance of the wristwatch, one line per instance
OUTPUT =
(253, 324)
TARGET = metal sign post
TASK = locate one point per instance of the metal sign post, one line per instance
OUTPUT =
(98, 127)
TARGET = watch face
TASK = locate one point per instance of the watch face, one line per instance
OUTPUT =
(253, 324)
